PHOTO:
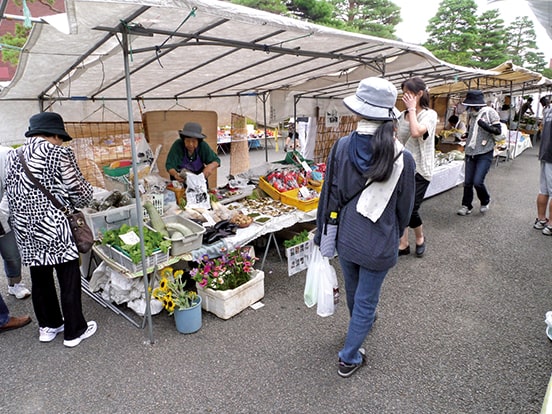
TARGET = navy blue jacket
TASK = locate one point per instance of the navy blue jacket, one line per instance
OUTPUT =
(371, 245)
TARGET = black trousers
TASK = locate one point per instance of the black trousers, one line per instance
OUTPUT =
(421, 188)
(45, 300)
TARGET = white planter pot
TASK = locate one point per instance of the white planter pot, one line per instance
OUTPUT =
(227, 303)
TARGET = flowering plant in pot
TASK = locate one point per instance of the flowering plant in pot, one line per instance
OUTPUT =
(226, 272)
(172, 291)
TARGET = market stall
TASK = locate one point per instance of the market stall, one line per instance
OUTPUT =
(236, 216)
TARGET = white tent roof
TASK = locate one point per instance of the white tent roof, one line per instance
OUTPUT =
(542, 9)
(189, 52)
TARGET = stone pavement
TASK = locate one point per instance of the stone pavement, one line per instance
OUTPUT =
(460, 330)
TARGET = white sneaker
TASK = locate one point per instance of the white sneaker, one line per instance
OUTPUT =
(49, 334)
(19, 291)
(548, 321)
(485, 208)
(464, 211)
(91, 330)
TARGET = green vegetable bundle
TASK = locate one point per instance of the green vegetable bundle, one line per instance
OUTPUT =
(297, 239)
(152, 241)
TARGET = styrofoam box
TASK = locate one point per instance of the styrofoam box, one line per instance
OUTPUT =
(188, 243)
(113, 218)
(227, 303)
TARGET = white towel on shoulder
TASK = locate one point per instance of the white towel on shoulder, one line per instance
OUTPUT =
(376, 196)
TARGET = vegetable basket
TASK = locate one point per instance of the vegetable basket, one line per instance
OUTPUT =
(187, 243)
(124, 259)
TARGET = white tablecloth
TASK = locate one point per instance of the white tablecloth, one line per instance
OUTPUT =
(445, 177)
(254, 231)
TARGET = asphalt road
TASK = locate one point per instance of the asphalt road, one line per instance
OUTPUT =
(460, 330)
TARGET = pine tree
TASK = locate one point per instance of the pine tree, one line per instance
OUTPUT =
(490, 49)
(313, 10)
(372, 17)
(271, 6)
(522, 45)
(453, 33)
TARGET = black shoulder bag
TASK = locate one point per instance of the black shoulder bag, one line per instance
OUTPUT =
(84, 239)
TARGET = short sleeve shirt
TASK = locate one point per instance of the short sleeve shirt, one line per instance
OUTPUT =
(422, 149)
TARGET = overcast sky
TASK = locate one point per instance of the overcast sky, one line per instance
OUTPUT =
(416, 18)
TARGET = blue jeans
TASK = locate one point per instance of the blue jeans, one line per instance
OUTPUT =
(11, 257)
(477, 167)
(362, 289)
(4, 312)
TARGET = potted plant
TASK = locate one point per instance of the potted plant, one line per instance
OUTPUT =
(228, 284)
(184, 304)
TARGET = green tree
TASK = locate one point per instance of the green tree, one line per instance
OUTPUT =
(490, 49)
(372, 17)
(316, 11)
(13, 43)
(272, 6)
(522, 46)
(453, 32)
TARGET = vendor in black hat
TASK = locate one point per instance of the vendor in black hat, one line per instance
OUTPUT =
(191, 153)
(484, 129)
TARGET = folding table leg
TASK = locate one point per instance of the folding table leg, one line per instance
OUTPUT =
(271, 238)
(86, 289)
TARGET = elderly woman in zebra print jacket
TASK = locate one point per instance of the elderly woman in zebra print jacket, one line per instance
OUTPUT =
(42, 231)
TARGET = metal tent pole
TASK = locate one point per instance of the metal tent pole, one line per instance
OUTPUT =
(263, 98)
(126, 56)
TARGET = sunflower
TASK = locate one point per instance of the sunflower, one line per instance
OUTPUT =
(170, 305)
(163, 283)
(158, 293)
(166, 272)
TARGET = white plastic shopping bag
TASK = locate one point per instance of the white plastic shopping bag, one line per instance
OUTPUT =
(197, 195)
(327, 284)
(311, 282)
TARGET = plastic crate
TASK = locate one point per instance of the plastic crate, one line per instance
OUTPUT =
(299, 257)
(123, 259)
(317, 188)
(267, 188)
(113, 218)
(188, 243)
(291, 199)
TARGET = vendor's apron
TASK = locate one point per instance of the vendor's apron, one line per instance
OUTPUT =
(195, 165)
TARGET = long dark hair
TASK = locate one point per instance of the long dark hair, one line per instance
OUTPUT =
(416, 85)
(383, 152)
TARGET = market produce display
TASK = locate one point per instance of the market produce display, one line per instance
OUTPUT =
(113, 200)
(241, 220)
(153, 241)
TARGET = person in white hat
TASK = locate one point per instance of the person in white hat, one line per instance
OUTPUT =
(483, 130)
(368, 194)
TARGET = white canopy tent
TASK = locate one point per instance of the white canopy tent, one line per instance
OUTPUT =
(199, 54)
